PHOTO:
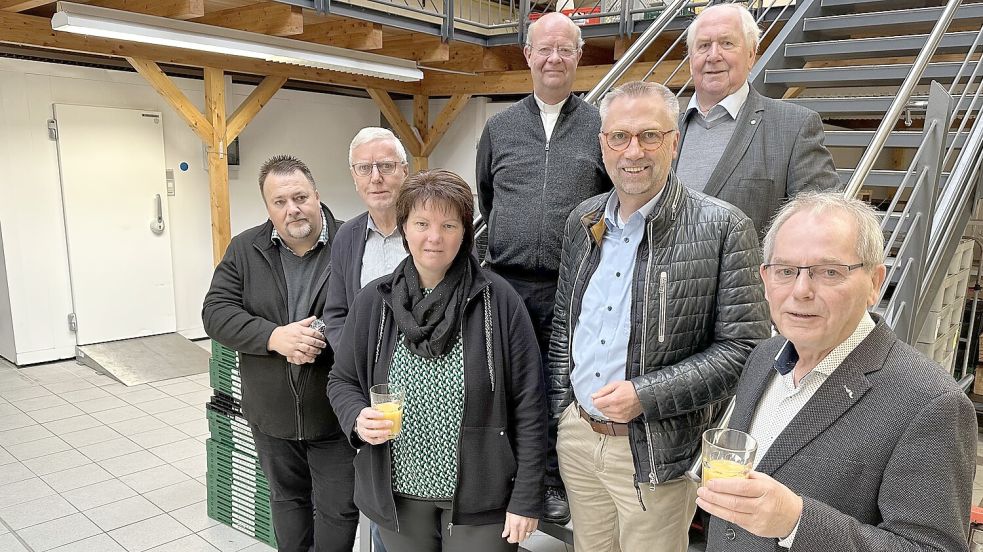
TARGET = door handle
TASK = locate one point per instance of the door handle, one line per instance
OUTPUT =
(157, 225)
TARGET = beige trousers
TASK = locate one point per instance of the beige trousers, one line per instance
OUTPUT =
(597, 472)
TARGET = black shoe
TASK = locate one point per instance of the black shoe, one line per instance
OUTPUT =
(555, 507)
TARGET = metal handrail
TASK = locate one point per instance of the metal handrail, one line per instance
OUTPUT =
(870, 155)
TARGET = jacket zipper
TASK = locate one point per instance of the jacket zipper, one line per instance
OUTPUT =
(663, 285)
(293, 389)
(542, 218)
(653, 479)
(457, 467)
(382, 325)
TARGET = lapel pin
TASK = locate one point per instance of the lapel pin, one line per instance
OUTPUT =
(754, 121)
(848, 392)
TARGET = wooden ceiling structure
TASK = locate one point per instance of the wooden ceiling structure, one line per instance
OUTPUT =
(454, 69)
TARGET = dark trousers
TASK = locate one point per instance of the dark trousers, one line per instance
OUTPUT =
(312, 484)
(539, 297)
(417, 518)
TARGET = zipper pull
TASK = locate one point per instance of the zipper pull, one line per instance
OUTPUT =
(652, 480)
(450, 529)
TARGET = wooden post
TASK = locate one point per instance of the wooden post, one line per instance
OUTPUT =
(421, 122)
(218, 163)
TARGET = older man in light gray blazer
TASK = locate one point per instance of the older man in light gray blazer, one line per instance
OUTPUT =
(735, 144)
(863, 443)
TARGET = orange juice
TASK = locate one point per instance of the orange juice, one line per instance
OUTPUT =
(392, 411)
(723, 469)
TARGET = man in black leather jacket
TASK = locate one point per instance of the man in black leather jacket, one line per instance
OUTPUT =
(659, 304)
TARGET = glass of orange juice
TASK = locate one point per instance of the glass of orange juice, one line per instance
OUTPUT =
(388, 399)
(727, 453)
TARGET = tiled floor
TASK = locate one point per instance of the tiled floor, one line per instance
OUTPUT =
(90, 465)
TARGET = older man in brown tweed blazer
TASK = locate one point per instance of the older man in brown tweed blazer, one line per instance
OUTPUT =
(863, 443)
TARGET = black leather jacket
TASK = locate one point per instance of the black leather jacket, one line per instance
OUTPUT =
(698, 308)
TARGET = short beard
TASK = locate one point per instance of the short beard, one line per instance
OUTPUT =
(300, 233)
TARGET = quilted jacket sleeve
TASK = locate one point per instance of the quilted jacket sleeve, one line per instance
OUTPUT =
(740, 321)
(558, 388)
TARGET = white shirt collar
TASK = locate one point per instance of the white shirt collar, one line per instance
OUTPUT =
(732, 103)
(547, 108)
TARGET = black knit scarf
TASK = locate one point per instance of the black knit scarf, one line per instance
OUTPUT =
(430, 322)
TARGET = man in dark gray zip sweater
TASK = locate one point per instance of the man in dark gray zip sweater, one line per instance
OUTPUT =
(537, 160)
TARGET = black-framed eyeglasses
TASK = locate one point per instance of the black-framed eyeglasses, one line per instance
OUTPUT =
(648, 140)
(827, 274)
(385, 167)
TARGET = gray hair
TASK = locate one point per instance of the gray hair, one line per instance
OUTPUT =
(371, 134)
(535, 25)
(870, 238)
(638, 89)
(749, 27)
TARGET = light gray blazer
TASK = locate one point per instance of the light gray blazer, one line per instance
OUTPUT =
(883, 455)
(776, 151)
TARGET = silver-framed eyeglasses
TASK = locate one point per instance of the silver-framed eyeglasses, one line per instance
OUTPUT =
(385, 167)
(649, 140)
(565, 52)
(826, 274)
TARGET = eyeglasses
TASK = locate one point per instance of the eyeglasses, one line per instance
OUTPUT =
(565, 52)
(385, 168)
(648, 140)
(826, 274)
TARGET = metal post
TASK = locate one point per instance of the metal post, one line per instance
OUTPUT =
(447, 25)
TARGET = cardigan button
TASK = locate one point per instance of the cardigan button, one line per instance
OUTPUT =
(730, 534)
(501, 433)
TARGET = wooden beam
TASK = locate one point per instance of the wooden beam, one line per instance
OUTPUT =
(423, 49)
(354, 35)
(175, 9)
(22, 5)
(444, 121)
(163, 85)
(265, 17)
(218, 163)
(395, 118)
(421, 164)
(421, 116)
(251, 106)
(28, 30)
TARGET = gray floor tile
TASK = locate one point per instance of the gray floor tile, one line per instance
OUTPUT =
(178, 450)
(9, 543)
(109, 449)
(16, 471)
(48, 373)
(24, 434)
(35, 449)
(177, 496)
(59, 532)
(123, 389)
(15, 421)
(140, 424)
(226, 538)
(263, 547)
(178, 416)
(194, 517)
(191, 543)
(154, 478)
(36, 511)
(33, 390)
(127, 412)
(97, 543)
(69, 385)
(86, 394)
(6, 457)
(139, 396)
(182, 387)
(131, 463)
(69, 425)
(113, 387)
(79, 476)
(149, 533)
(55, 413)
(108, 402)
(194, 428)
(24, 491)
(124, 512)
(90, 436)
(59, 461)
(7, 409)
(100, 380)
(161, 405)
(157, 437)
(196, 398)
(14, 380)
(196, 466)
(92, 496)
(37, 403)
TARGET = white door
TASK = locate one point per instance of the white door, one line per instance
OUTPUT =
(115, 200)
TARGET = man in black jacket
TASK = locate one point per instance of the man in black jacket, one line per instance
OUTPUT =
(266, 292)
(536, 161)
(657, 308)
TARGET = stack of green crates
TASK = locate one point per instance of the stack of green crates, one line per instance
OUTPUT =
(238, 493)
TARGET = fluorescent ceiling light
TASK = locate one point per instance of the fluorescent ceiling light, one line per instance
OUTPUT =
(149, 29)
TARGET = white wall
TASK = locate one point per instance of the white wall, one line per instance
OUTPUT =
(315, 127)
(7, 347)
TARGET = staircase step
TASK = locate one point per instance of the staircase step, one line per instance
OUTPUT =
(877, 3)
(855, 48)
(886, 20)
(897, 139)
(882, 178)
(831, 108)
(859, 75)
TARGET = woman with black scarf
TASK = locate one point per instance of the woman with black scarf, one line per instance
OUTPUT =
(471, 454)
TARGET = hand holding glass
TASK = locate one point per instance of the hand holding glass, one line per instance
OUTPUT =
(727, 454)
(388, 399)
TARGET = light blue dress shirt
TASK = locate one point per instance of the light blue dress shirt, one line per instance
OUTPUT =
(600, 338)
